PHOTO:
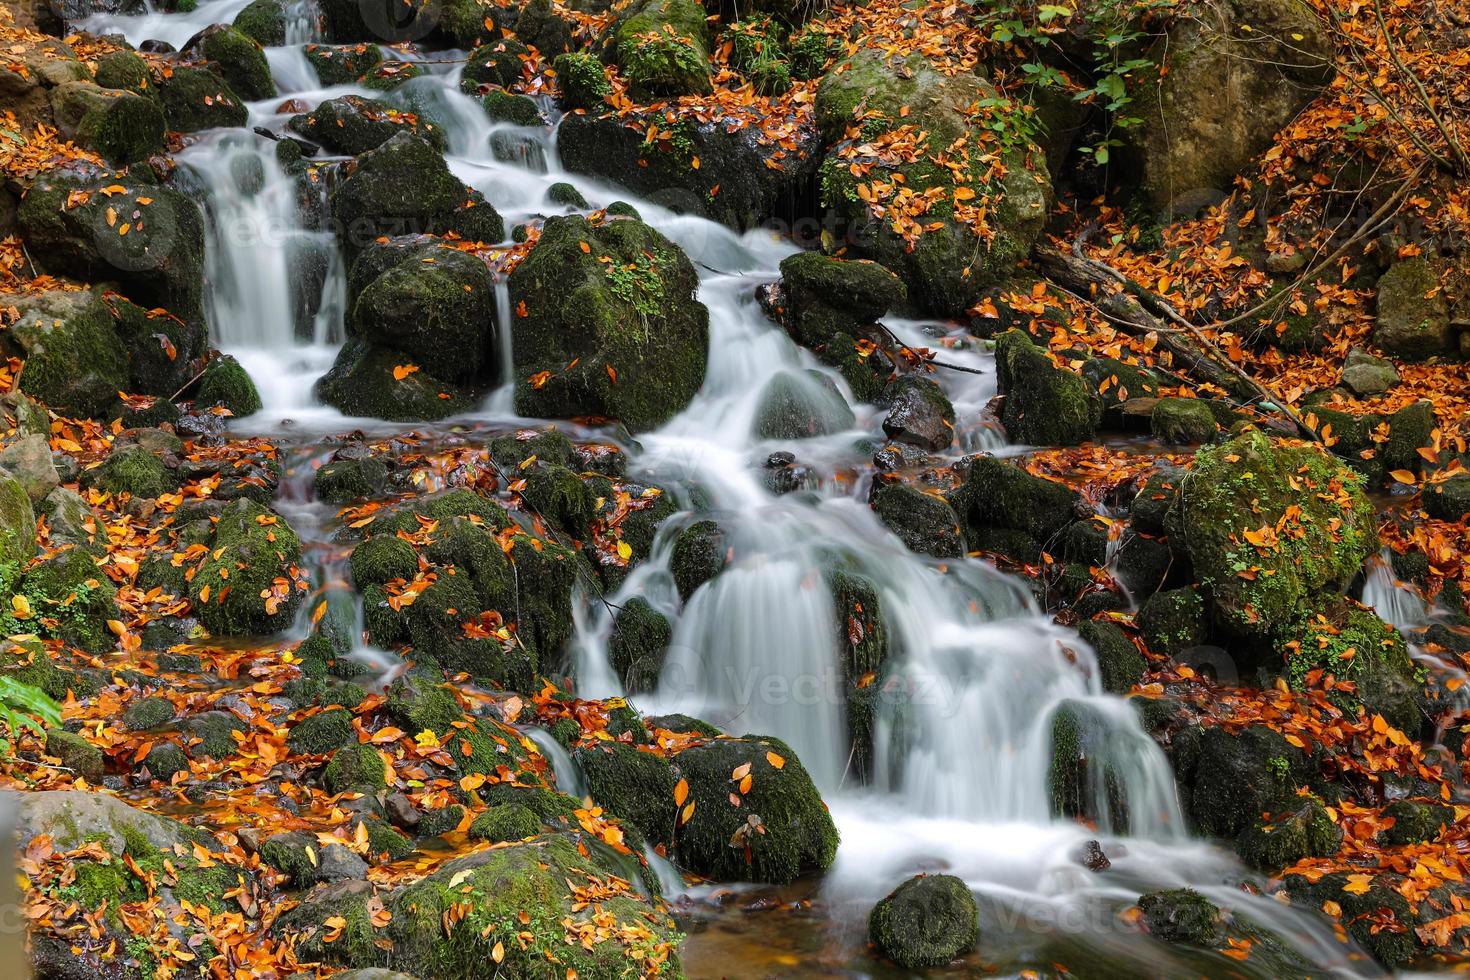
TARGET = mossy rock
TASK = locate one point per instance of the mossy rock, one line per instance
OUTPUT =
(560, 497)
(1353, 644)
(351, 124)
(389, 75)
(162, 763)
(1173, 622)
(342, 64)
(75, 753)
(345, 480)
(632, 785)
(925, 922)
(148, 713)
(1284, 839)
(367, 382)
(799, 835)
(800, 406)
(17, 523)
(241, 62)
(1045, 405)
(226, 383)
(567, 196)
(355, 768)
(506, 107)
(496, 63)
(135, 471)
(924, 522)
(1413, 823)
(212, 734)
(638, 644)
(700, 553)
(162, 352)
(1448, 500)
(1182, 916)
(1183, 421)
(1119, 664)
(263, 21)
(1409, 429)
(72, 599)
(126, 70)
(505, 822)
(623, 339)
(196, 98)
(827, 296)
(661, 46)
(583, 82)
(1413, 319)
(863, 639)
(254, 551)
(124, 127)
(321, 733)
(419, 705)
(1308, 511)
(383, 558)
(1237, 776)
(1116, 382)
(998, 495)
(436, 823)
(72, 352)
(308, 861)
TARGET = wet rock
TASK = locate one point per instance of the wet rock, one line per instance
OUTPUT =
(1173, 622)
(826, 296)
(196, 98)
(72, 521)
(1090, 855)
(122, 126)
(308, 862)
(801, 406)
(74, 360)
(924, 522)
(584, 83)
(1182, 916)
(343, 64)
(68, 589)
(321, 733)
(351, 124)
(1379, 665)
(925, 922)
(63, 219)
(1250, 483)
(1002, 507)
(367, 381)
(919, 414)
(1283, 839)
(1044, 405)
(1118, 661)
(701, 552)
(946, 268)
(75, 753)
(780, 829)
(1117, 382)
(341, 481)
(239, 59)
(1183, 421)
(1413, 315)
(661, 45)
(1448, 500)
(264, 21)
(505, 822)
(148, 713)
(259, 555)
(863, 642)
(1233, 778)
(136, 471)
(1415, 823)
(637, 335)
(1365, 375)
(638, 645)
(635, 786)
(1409, 429)
(355, 768)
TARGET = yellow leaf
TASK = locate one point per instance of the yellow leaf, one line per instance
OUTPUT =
(20, 606)
(687, 812)
(1358, 884)
(681, 792)
(625, 550)
(741, 771)
(498, 953)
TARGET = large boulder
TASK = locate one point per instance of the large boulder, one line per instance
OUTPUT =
(973, 226)
(1413, 317)
(606, 324)
(404, 186)
(924, 522)
(1352, 644)
(1268, 527)
(99, 227)
(251, 573)
(240, 59)
(122, 126)
(1005, 509)
(373, 382)
(74, 361)
(800, 406)
(352, 124)
(661, 46)
(1045, 405)
(752, 813)
(736, 177)
(17, 523)
(196, 98)
(926, 921)
(1232, 77)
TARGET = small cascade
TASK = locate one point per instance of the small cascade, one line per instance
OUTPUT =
(564, 768)
(1395, 602)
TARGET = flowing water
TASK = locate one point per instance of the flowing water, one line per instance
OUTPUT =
(962, 739)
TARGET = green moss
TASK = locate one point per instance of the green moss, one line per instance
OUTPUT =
(496, 63)
(263, 21)
(71, 600)
(196, 99)
(241, 61)
(567, 196)
(547, 804)
(660, 45)
(1045, 405)
(518, 110)
(638, 644)
(546, 575)
(383, 558)
(999, 496)
(125, 70)
(419, 706)
(153, 712)
(355, 768)
(1416, 823)
(633, 785)
(125, 127)
(344, 64)
(71, 350)
(1284, 839)
(226, 383)
(799, 833)
(559, 496)
(924, 522)
(388, 75)
(1353, 644)
(927, 921)
(383, 839)
(1320, 527)
(700, 553)
(75, 753)
(441, 821)
(1173, 622)
(862, 638)
(1119, 663)
(1182, 916)
(254, 551)
(583, 82)
(321, 733)
(134, 471)
(1183, 420)
(506, 822)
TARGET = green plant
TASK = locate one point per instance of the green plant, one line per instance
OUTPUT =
(1116, 27)
(22, 707)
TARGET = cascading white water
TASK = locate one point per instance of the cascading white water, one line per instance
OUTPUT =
(976, 674)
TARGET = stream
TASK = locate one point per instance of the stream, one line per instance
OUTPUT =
(963, 731)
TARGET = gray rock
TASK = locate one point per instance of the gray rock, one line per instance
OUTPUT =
(1365, 375)
(72, 520)
(28, 460)
(1413, 317)
(920, 415)
(70, 817)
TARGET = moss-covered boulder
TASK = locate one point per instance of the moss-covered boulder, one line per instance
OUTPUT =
(122, 126)
(124, 69)
(351, 124)
(75, 753)
(342, 64)
(404, 186)
(64, 219)
(75, 362)
(1003, 508)
(985, 224)
(264, 21)
(924, 522)
(633, 785)
(662, 47)
(610, 328)
(241, 61)
(1280, 840)
(1182, 916)
(439, 317)
(1410, 429)
(1182, 421)
(71, 599)
(162, 352)
(370, 382)
(780, 827)
(919, 414)
(133, 470)
(1119, 663)
(700, 553)
(355, 768)
(1413, 316)
(1415, 823)
(1234, 777)
(309, 862)
(825, 296)
(322, 732)
(519, 903)
(1231, 79)
(226, 383)
(1352, 644)
(251, 573)
(638, 644)
(196, 98)
(505, 822)
(1448, 500)
(800, 406)
(1173, 621)
(1045, 405)
(925, 922)
(583, 82)
(1268, 526)
(496, 63)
